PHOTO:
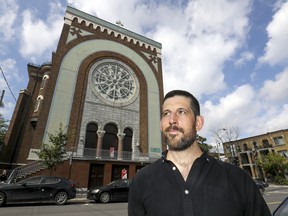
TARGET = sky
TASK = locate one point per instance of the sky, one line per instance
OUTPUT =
(232, 55)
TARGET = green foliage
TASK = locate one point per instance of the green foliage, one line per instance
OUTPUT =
(3, 130)
(274, 165)
(201, 141)
(54, 153)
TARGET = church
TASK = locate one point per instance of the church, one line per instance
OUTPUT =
(104, 88)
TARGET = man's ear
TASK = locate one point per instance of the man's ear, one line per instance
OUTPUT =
(199, 122)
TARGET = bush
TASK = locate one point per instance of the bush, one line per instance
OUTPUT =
(280, 180)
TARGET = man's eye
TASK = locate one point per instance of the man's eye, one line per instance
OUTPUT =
(165, 114)
(182, 112)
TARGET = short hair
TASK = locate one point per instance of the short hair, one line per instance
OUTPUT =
(194, 103)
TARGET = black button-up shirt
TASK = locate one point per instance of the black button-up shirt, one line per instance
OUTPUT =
(212, 188)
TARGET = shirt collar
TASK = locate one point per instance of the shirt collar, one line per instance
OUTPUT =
(203, 156)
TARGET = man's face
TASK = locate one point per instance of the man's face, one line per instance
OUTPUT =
(178, 123)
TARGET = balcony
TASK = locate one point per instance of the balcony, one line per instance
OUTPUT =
(104, 155)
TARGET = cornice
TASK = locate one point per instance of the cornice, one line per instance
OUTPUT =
(111, 29)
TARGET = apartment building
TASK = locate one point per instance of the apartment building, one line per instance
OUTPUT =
(245, 152)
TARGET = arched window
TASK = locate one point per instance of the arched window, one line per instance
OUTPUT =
(245, 147)
(38, 103)
(44, 79)
(127, 142)
(110, 138)
(91, 139)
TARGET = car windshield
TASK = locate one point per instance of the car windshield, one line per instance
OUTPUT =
(113, 183)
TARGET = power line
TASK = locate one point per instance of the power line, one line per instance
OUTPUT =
(8, 84)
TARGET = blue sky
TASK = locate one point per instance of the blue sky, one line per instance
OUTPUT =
(230, 54)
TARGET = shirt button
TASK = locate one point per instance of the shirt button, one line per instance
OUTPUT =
(186, 192)
(174, 168)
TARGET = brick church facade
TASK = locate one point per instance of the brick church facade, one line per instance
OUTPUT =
(104, 87)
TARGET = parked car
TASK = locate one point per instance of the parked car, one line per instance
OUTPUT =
(261, 185)
(282, 209)
(117, 190)
(38, 189)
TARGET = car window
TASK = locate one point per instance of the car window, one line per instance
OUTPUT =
(51, 180)
(34, 180)
(123, 183)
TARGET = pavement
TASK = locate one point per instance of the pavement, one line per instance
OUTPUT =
(277, 186)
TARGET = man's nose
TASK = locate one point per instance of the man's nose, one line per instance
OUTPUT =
(173, 118)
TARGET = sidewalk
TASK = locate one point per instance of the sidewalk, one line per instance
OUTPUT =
(277, 186)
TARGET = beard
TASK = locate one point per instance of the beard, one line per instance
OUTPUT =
(175, 143)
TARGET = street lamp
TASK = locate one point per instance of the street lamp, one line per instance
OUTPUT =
(219, 137)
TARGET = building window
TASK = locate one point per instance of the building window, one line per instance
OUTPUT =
(279, 140)
(127, 142)
(265, 143)
(255, 146)
(44, 79)
(91, 138)
(38, 103)
(245, 147)
(110, 139)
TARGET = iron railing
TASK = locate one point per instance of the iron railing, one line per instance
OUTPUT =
(91, 154)
(24, 170)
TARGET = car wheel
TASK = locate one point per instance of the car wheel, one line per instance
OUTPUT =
(2, 199)
(61, 198)
(105, 197)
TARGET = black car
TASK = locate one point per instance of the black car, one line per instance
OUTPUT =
(38, 189)
(261, 185)
(117, 190)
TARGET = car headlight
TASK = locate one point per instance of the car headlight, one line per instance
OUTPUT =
(95, 191)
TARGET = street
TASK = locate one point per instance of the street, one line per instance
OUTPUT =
(73, 208)
(274, 195)
(80, 206)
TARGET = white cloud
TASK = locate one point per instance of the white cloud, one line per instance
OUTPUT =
(40, 37)
(244, 57)
(277, 120)
(13, 78)
(277, 32)
(8, 14)
(9, 67)
(195, 46)
(275, 91)
(236, 109)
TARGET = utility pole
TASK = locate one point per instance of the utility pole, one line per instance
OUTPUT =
(2, 96)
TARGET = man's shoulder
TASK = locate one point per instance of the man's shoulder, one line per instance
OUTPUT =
(230, 169)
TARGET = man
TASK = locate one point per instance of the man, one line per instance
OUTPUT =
(3, 176)
(186, 181)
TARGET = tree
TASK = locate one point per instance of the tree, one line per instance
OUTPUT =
(54, 153)
(226, 135)
(275, 166)
(205, 147)
(3, 130)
